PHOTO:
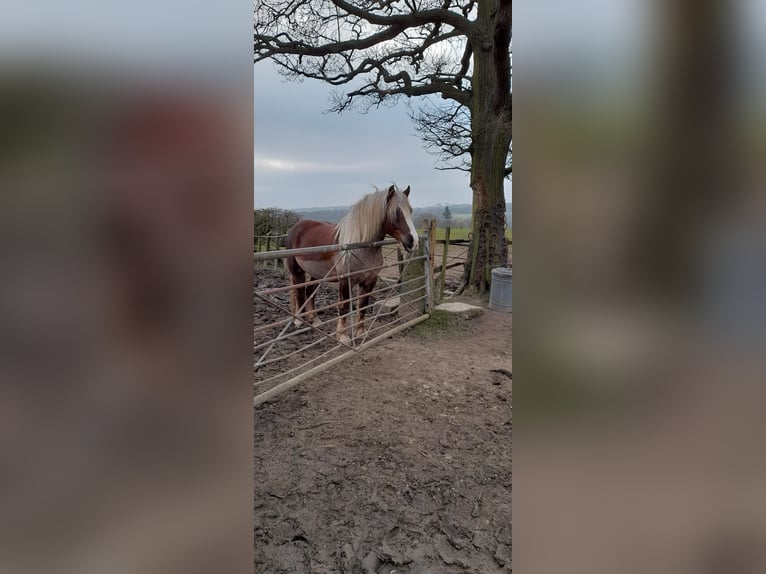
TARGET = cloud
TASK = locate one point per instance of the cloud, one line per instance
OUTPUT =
(289, 165)
(306, 158)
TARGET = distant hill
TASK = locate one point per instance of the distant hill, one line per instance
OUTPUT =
(461, 213)
(331, 214)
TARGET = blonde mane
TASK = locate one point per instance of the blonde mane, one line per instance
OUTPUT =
(365, 218)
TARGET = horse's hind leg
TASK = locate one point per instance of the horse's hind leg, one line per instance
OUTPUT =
(297, 294)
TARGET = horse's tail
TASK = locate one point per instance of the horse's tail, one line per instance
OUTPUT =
(292, 241)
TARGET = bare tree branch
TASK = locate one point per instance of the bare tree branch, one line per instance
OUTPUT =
(446, 131)
(398, 48)
(414, 18)
(454, 56)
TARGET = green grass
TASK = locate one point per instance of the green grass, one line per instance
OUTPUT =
(461, 233)
(441, 323)
(263, 248)
(274, 245)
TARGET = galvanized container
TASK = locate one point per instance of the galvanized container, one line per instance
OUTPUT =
(500, 289)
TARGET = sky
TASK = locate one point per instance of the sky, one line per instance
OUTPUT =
(307, 158)
(142, 33)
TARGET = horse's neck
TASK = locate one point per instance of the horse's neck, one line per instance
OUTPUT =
(381, 234)
(367, 256)
(364, 257)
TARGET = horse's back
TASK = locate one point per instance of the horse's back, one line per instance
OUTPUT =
(310, 233)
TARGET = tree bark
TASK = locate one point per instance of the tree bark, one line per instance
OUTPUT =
(491, 130)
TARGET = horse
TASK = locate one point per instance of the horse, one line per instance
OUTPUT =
(377, 214)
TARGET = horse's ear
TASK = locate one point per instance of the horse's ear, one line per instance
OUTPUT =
(407, 191)
(391, 192)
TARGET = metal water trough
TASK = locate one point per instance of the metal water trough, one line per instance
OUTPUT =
(500, 289)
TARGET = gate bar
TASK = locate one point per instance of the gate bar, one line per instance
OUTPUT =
(263, 397)
(266, 255)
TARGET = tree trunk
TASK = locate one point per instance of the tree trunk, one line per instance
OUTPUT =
(491, 131)
(691, 161)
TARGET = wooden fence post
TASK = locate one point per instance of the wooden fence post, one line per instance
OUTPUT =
(428, 270)
(413, 270)
(444, 263)
(277, 247)
(430, 262)
(400, 260)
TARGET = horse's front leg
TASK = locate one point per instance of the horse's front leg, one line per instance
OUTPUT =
(344, 292)
(365, 287)
(311, 311)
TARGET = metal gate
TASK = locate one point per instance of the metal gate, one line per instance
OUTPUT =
(286, 353)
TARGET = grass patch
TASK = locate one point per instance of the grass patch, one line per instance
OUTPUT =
(461, 233)
(442, 323)
(274, 247)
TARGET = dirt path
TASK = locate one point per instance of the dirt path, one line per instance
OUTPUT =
(398, 460)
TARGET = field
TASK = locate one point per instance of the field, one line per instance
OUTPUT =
(461, 233)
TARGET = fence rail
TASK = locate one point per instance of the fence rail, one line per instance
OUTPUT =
(288, 349)
(448, 254)
(268, 243)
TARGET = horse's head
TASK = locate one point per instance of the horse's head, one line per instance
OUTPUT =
(399, 222)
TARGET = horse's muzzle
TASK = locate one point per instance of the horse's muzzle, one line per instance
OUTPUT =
(409, 243)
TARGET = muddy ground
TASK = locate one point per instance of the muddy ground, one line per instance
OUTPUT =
(396, 461)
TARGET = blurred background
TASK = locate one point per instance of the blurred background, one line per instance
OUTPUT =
(640, 279)
(125, 364)
(125, 360)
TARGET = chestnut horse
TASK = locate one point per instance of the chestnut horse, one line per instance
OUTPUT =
(380, 213)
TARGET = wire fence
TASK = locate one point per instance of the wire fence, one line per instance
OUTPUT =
(268, 243)
(292, 345)
(449, 258)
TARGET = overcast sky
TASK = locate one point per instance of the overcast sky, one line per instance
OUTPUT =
(304, 158)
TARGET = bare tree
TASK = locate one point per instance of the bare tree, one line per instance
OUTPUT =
(446, 130)
(272, 220)
(382, 50)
